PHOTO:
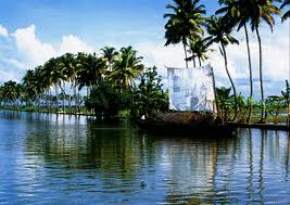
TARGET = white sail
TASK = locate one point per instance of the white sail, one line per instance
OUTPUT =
(191, 89)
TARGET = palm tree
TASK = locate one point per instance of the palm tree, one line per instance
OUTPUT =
(184, 23)
(286, 95)
(109, 53)
(55, 74)
(126, 67)
(236, 12)
(286, 15)
(199, 50)
(259, 11)
(11, 91)
(38, 83)
(70, 71)
(30, 87)
(219, 33)
(91, 70)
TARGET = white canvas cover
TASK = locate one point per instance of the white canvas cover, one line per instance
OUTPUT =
(191, 89)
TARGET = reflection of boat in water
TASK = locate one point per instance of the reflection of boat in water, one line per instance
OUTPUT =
(186, 123)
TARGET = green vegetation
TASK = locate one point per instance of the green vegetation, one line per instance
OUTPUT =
(187, 24)
(117, 82)
(276, 106)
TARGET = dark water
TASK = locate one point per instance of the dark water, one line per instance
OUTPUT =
(68, 160)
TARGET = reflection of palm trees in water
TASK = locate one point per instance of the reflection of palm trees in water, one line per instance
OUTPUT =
(250, 187)
(261, 166)
(287, 165)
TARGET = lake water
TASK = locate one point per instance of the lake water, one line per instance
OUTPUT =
(45, 159)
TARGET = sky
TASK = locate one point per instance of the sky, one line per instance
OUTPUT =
(32, 31)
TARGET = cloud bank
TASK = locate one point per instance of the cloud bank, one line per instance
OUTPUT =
(23, 49)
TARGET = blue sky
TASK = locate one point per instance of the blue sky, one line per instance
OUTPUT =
(97, 21)
(32, 31)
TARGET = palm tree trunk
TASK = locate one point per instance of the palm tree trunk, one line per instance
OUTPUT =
(49, 100)
(63, 98)
(199, 62)
(194, 62)
(75, 99)
(215, 104)
(231, 80)
(288, 110)
(56, 96)
(263, 111)
(251, 74)
(185, 53)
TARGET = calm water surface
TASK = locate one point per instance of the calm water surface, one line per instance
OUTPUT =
(45, 159)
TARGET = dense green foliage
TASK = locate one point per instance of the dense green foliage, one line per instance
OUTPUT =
(114, 81)
(149, 97)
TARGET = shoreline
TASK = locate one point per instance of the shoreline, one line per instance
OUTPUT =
(265, 126)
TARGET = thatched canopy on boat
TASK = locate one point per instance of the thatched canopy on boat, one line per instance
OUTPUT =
(185, 117)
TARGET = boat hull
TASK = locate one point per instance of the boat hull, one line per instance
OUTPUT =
(187, 129)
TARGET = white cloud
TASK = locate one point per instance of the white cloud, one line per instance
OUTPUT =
(160, 56)
(72, 44)
(3, 31)
(30, 47)
(27, 50)
(33, 51)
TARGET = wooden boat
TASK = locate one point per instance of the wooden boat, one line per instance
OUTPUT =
(192, 123)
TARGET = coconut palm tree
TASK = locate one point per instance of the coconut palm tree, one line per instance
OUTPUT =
(70, 71)
(11, 91)
(286, 15)
(55, 74)
(261, 11)
(236, 13)
(199, 50)
(91, 70)
(286, 95)
(30, 87)
(109, 53)
(219, 33)
(184, 23)
(126, 67)
(38, 83)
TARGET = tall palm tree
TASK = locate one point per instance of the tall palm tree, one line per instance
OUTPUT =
(11, 92)
(126, 67)
(30, 87)
(261, 11)
(109, 53)
(199, 50)
(70, 70)
(219, 33)
(91, 70)
(184, 23)
(236, 12)
(55, 74)
(39, 83)
(286, 15)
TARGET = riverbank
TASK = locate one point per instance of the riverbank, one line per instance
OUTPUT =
(268, 126)
(180, 119)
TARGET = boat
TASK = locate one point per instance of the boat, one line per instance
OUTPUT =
(189, 123)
